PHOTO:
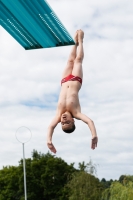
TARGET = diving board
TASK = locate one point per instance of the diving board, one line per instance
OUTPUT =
(33, 24)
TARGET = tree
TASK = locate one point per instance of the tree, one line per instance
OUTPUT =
(89, 167)
(83, 184)
(120, 190)
(82, 166)
(46, 177)
(9, 187)
(106, 184)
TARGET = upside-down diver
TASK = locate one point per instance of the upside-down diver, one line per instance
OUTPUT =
(68, 104)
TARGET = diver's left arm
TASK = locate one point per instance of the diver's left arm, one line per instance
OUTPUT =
(91, 126)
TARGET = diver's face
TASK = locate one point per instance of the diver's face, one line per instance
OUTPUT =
(66, 120)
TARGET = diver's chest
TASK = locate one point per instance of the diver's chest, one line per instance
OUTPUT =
(71, 102)
(68, 103)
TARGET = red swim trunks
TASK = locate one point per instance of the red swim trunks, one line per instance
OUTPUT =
(71, 78)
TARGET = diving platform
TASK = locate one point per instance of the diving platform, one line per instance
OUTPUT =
(33, 24)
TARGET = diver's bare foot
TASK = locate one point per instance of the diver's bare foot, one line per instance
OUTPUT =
(80, 35)
(76, 37)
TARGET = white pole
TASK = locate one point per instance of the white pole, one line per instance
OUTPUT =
(24, 173)
(23, 131)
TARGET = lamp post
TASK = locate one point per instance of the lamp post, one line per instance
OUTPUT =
(23, 135)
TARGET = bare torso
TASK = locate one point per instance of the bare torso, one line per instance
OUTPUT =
(68, 99)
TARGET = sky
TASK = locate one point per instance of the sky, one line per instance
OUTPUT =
(30, 85)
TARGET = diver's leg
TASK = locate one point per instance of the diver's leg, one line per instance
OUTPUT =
(70, 63)
(77, 69)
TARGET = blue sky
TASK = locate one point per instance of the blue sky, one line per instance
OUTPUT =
(30, 84)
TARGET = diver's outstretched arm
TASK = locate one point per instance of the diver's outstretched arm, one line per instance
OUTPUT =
(91, 125)
(50, 132)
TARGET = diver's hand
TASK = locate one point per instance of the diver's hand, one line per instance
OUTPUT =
(94, 142)
(51, 147)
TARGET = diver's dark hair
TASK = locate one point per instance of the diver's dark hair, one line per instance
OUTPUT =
(70, 130)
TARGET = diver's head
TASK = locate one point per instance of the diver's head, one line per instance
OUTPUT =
(67, 122)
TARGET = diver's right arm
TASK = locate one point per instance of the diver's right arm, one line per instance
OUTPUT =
(50, 131)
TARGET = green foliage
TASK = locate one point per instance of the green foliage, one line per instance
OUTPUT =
(84, 186)
(122, 190)
(106, 184)
(89, 167)
(9, 188)
(82, 166)
(51, 178)
(46, 177)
